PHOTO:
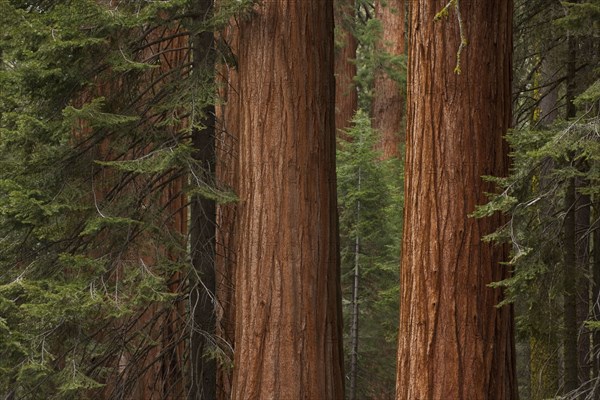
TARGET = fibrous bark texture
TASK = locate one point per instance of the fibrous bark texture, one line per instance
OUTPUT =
(453, 341)
(388, 95)
(288, 328)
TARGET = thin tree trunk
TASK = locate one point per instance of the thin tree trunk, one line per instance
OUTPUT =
(571, 381)
(227, 170)
(570, 346)
(202, 232)
(596, 286)
(354, 326)
(543, 360)
(288, 305)
(582, 247)
(388, 95)
(454, 343)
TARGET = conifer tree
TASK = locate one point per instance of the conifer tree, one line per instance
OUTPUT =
(97, 110)
(547, 196)
(369, 229)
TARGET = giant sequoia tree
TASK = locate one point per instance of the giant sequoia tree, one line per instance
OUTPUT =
(288, 328)
(389, 94)
(346, 97)
(453, 341)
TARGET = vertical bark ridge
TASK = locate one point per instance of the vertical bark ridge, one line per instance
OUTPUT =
(453, 342)
(389, 96)
(287, 276)
(346, 96)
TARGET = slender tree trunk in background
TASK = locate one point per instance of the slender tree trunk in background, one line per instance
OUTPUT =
(389, 96)
(288, 342)
(227, 171)
(544, 346)
(346, 96)
(355, 298)
(582, 247)
(453, 341)
(570, 345)
(202, 232)
(571, 381)
(582, 210)
(596, 285)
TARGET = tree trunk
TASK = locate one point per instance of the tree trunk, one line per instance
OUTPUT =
(346, 96)
(354, 324)
(543, 340)
(288, 306)
(570, 345)
(202, 230)
(453, 341)
(388, 99)
(582, 247)
(571, 381)
(227, 171)
(596, 285)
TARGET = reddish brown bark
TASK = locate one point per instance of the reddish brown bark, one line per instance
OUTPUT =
(453, 341)
(288, 328)
(346, 96)
(388, 95)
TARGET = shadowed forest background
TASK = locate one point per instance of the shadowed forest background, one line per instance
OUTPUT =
(283, 199)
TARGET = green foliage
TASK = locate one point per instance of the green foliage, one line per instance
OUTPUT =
(95, 154)
(582, 18)
(590, 96)
(550, 156)
(92, 113)
(370, 204)
(372, 59)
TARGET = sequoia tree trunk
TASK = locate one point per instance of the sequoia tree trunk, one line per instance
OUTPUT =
(346, 96)
(454, 343)
(288, 307)
(388, 94)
